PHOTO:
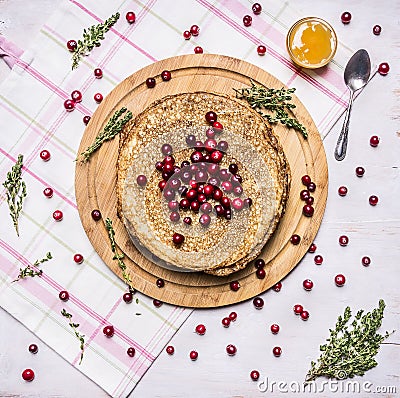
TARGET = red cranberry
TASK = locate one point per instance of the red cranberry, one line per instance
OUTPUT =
(28, 374)
(219, 210)
(360, 171)
(226, 322)
(98, 98)
(150, 82)
(210, 133)
(178, 239)
(304, 194)
(166, 150)
(208, 190)
(318, 260)
(200, 329)
(96, 215)
(311, 187)
(308, 284)
(233, 168)
(210, 145)
(159, 166)
(48, 192)
(235, 286)
(86, 120)
(216, 156)
(223, 146)
(78, 258)
(343, 240)
(258, 303)
(58, 215)
(238, 190)
(308, 210)
(193, 355)
(295, 239)
(130, 17)
(310, 201)
(184, 204)
(259, 263)
(195, 206)
(76, 96)
(383, 68)
(157, 303)
(198, 50)
(231, 349)
(205, 220)
(69, 105)
(127, 297)
(72, 45)
(342, 191)
(365, 261)
(228, 214)
(187, 220)
(196, 157)
(346, 17)
(33, 349)
(373, 200)
(166, 75)
(247, 20)
(211, 117)
(312, 248)
(194, 30)
(170, 350)
(275, 328)
(217, 194)
(233, 316)
(187, 35)
(131, 352)
(169, 194)
(141, 180)
(98, 73)
(63, 295)
(340, 280)
(374, 141)
(298, 309)
(277, 287)
(261, 50)
(237, 204)
(306, 179)
(277, 351)
(206, 208)
(254, 375)
(174, 216)
(162, 184)
(260, 273)
(304, 315)
(108, 331)
(248, 202)
(160, 283)
(377, 30)
(45, 155)
(256, 8)
(226, 202)
(218, 127)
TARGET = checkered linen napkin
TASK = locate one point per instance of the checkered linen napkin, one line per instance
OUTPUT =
(32, 118)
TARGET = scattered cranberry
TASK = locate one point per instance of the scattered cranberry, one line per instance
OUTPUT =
(259, 263)
(377, 30)
(222, 146)
(306, 180)
(298, 309)
(198, 50)
(226, 322)
(295, 239)
(193, 355)
(141, 180)
(218, 127)
(58, 215)
(304, 315)
(342, 191)
(343, 240)
(78, 258)
(231, 349)
(177, 238)
(256, 8)
(318, 260)
(166, 75)
(261, 50)
(211, 117)
(312, 248)
(373, 200)
(247, 20)
(108, 331)
(33, 348)
(187, 220)
(346, 17)
(340, 280)
(277, 287)
(131, 352)
(235, 286)
(150, 82)
(275, 328)
(200, 329)
(98, 73)
(174, 216)
(194, 30)
(360, 171)
(310, 200)
(48, 192)
(130, 17)
(69, 105)
(63, 295)
(76, 96)
(308, 284)
(28, 374)
(311, 187)
(187, 35)
(45, 155)
(98, 97)
(365, 261)
(127, 297)
(96, 215)
(160, 283)
(254, 375)
(308, 210)
(157, 303)
(304, 194)
(260, 273)
(277, 351)
(86, 120)
(258, 303)
(170, 350)
(374, 141)
(233, 316)
(72, 45)
(383, 68)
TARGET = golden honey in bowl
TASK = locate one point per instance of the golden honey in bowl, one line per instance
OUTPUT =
(311, 42)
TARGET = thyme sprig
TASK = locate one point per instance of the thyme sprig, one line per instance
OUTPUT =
(74, 326)
(91, 39)
(29, 271)
(16, 191)
(111, 129)
(350, 353)
(272, 104)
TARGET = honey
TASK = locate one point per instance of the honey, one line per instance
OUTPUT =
(311, 42)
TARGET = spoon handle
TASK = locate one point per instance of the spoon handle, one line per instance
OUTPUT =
(341, 146)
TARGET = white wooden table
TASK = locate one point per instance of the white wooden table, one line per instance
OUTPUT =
(373, 231)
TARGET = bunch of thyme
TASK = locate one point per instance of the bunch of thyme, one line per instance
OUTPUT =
(350, 353)
(16, 191)
(28, 271)
(111, 129)
(91, 39)
(272, 104)
(74, 327)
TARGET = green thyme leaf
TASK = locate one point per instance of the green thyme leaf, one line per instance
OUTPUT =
(28, 271)
(74, 327)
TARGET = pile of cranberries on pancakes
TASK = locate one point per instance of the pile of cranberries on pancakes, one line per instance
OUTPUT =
(202, 182)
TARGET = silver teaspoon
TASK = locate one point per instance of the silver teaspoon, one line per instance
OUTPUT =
(356, 76)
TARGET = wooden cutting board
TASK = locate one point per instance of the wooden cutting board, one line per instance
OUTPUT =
(95, 183)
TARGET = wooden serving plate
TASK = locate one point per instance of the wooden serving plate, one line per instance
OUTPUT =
(95, 183)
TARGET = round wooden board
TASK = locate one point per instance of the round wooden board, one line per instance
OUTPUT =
(95, 183)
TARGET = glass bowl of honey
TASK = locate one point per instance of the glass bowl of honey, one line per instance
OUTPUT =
(311, 42)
